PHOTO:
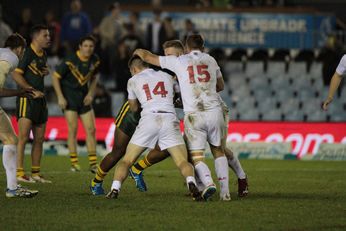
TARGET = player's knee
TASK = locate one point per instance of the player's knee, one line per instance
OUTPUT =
(72, 130)
(38, 140)
(23, 139)
(10, 139)
(127, 163)
(91, 131)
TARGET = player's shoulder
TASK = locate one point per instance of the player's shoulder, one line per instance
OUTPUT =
(8, 56)
(343, 59)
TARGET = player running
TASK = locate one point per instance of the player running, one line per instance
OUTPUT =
(9, 57)
(74, 82)
(176, 48)
(200, 79)
(335, 82)
(158, 124)
(32, 114)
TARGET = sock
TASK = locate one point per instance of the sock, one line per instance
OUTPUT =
(141, 165)
(35, 171)
(199, 184)
(116, 185)
(9, 159)
(20, 172)
(221, 169)
(92, 159)
(235, 165)
(73, 158)
(203, 173)
(99, 176)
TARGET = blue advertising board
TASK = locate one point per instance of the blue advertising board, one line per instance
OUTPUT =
(253, 30)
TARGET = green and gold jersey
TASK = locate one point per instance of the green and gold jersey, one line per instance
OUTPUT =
(75, 72)
(32, 66)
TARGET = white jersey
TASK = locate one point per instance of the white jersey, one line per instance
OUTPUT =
(153, 89)
(11, 60)
(197, 73)
(341, 69)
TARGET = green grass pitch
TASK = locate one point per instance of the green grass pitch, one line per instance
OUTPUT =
(284, 195)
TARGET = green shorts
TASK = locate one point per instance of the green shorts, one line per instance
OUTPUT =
(32, 109)
(126, 120)
(75, 98)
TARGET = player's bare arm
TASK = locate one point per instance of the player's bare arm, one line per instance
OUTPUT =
(89, 97)
(147, 57)
(57, 88)
(19, 79)
(134, 105)
(334, 84)
(220, 84)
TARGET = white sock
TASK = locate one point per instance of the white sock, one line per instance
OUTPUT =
(190, 179)
(9, 159)
(116, 185)
(199, 184)
(204, 173)
(221, 169)
(235, 165)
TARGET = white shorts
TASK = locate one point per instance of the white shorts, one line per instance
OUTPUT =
(160, 128)
(202, 127)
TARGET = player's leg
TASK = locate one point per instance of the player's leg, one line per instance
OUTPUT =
(121, 141)
(9, 158)
(9, 153)
(72, 124)
(232, 159)
(234, 164)
(216, 133)
(122, 169)
(88, 121)
(196, 138)
(36, 152)
(24, 127)
(153, 157)
(179, 156)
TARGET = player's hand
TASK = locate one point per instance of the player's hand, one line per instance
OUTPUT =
(62, 102)
(45, 71)
(37, 94)
(88, 99)
(138, 52)
(326, 103)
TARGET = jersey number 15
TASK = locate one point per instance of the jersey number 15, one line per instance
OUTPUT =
(159, 89)
(202, 71)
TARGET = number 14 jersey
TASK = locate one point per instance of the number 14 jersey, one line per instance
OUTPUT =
(197, 73)
(153, 89)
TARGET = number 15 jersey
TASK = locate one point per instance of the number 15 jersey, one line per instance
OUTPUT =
(153, 89)
(197, 73)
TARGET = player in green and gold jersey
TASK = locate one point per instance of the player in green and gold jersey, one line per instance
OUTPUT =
(32, 114)
(74, 82)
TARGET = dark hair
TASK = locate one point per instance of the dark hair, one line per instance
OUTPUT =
(87, 38)
(37, 28)
(173, 43)
(195, 41)
(136, 60)
(113, 6)
(14, 41)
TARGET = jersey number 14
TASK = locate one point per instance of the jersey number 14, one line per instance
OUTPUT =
(159, 89)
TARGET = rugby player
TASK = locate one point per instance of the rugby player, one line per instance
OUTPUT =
(74, 82)
(32, 114)
(153, 91)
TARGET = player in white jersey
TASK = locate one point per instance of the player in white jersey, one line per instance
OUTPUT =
(153, 90)
(335, 82)
(200, 80)
(9, 58)
(176, 48)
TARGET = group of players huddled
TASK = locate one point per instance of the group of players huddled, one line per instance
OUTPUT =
(185, 77)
